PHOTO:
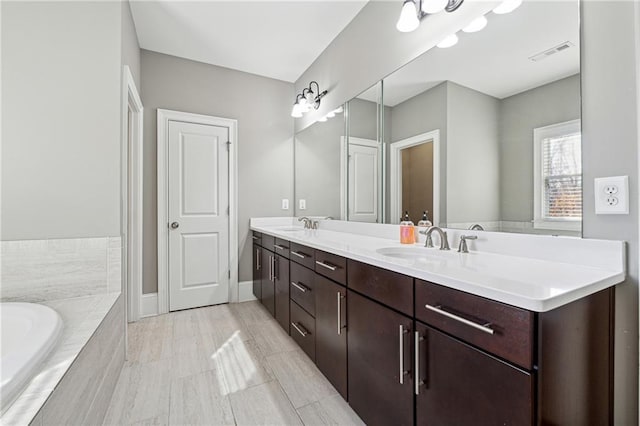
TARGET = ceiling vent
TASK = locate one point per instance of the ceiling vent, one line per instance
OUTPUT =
(559, 48)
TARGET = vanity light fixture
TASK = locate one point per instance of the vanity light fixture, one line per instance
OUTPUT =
(307, 100)
(507, 6)
(413, 11)
(450, 40)
(476, 25)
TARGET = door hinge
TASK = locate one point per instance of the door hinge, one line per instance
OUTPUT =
(228, 145)
(229, 274)
(228, 210)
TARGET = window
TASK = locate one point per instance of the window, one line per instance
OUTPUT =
(558, 177)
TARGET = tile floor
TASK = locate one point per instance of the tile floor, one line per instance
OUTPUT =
(221, 365)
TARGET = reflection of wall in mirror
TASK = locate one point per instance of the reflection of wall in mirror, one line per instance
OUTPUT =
(417, 180)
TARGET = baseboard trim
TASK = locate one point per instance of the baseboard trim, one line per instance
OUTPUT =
(149, 304)
(245, 291)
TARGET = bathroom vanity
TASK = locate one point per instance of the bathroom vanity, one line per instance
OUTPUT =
(411, 335)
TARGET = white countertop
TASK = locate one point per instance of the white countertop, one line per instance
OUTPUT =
(533, 282)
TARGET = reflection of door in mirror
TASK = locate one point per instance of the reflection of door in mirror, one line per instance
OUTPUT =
(363, 180)
(417, 180)
(415, 176)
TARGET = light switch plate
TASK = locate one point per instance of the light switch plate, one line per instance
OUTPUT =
(612, 195)
(303, 204)
(285, 204)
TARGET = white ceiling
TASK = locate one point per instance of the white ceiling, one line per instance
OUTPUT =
(496, 60)
(277, 39)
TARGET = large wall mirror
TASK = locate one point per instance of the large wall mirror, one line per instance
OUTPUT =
(485, 132)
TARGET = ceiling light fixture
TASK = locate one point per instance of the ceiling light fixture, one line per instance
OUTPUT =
(476, 25)
(448, 41)
(507, 6)
(307, 100)
(413, 11)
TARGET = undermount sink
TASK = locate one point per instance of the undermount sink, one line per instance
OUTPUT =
(290, 229)
(404, 252)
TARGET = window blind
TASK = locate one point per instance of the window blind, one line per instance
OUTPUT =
(562, 174)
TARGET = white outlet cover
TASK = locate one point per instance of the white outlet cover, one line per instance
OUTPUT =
(303, 204)
(612, 195)
(285, 204)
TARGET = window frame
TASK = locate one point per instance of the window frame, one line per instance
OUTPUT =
(540, 134)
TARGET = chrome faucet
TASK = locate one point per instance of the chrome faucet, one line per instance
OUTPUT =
(476, 227)
(306, 220)
(462, 247)
(444, 243)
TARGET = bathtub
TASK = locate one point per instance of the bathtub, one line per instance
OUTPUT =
(28, 333)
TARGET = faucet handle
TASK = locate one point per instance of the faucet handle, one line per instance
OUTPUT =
(444, 245)
(462, 247)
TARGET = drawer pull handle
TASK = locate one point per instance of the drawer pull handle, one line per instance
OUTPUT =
(417, 382)
(279, 247)
(340, 326)
(258, 266)
(300, 329)
(300, 255)
(254, 237)
(438, 309)
(326, 265)
(401, 334)
(300, 287)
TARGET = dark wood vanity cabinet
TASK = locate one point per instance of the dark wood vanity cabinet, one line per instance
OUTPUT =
(257, 271)
(281, 286)
(461, 385)
(379, 362)
(331, 332)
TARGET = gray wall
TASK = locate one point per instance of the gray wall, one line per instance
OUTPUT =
(473, 188)
(520, 114)
(317, 164)
(609, 130)
(262, 107)
(130, 45)
(61, 119)
(610, 148)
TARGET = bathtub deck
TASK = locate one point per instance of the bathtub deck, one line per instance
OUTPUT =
(81, 317)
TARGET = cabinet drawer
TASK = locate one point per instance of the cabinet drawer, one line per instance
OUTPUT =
(503, 330)
(257, 238)
(302, 285)
(303, 330)
(302, 255)
(281, 247)
(268, 241)
(331, 266)
(387, 287)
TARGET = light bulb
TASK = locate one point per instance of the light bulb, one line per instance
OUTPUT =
(448, 41)
(331, 114)
(507, 6)
(302, 102)
(408, 17)
(433, 6)
(476, 25)
(296, 112)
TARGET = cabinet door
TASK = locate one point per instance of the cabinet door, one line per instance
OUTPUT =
(267, 284)
(257, 271)
(331, 333)
(462, 385)
(281, 280)
(379, 349)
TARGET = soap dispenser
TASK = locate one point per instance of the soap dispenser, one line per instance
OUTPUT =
(423, 224)
(407, 230)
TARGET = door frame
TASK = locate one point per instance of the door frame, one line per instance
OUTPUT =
(131, 171)
(396, 168)
(164, 117)
(344, 172)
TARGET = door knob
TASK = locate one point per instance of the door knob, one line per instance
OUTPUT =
(174, 225)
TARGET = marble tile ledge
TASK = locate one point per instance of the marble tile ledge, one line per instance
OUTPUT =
(81, 317)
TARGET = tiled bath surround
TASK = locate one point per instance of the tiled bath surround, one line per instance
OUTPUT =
(41, 270)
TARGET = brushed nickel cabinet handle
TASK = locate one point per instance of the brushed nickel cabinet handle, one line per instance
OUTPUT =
(300, 287)
(258, 259)
(417, 382)
(300, 329)
(254, 237)
(340, 326)
(300, 255)
(279, 247)
(326, 265)
(482, 327)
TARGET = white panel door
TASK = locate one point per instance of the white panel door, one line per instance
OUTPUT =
(198, 216)
(363, 183)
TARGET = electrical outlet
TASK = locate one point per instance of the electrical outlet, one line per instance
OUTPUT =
(285, 204)
(612, 195)
(303, 204)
